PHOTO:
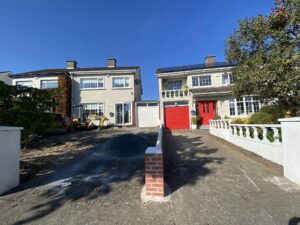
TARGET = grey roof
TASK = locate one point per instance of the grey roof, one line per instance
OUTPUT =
(61, 71)
(5, 72)
(194, 67)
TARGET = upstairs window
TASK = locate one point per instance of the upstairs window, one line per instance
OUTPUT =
(26, 83)
(120, 82)
(91, 83)
(173, 85)
(49, 84)
(227, 78)
(201, 81)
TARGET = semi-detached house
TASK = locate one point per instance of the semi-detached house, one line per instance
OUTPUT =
(112, 90)
(203, 90)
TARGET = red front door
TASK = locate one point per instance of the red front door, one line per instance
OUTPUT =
(206, 111)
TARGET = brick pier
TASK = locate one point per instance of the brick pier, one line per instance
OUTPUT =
(154, 174)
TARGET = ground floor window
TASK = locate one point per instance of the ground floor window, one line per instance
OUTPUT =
(92, 109)
(243, 105)
(123, 113)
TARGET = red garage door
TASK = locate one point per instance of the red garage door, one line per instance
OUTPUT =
(177, 117)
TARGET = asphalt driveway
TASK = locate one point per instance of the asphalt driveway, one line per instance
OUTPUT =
(211, 182)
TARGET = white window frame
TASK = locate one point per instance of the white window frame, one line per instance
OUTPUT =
(229, 79)
(48, 80)
(92, 78)
(82, 109)
(198, 78)
(173, 81)
(131, 108)
(252, 101)
(124, 80)
(18, 81)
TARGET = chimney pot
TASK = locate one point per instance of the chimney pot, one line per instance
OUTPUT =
(111, 62)
(71, 64)
(210, 60)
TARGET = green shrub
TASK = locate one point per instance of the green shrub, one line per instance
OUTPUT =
(217, 117)
(226, 117)
(261, 118)
(240, 120)
(275, 112)
(195, 119)
(25, 107)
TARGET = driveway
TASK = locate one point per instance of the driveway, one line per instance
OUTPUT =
(211, 182)
(214, 182)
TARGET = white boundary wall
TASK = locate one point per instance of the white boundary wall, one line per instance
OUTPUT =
(9, 157)
(291, 146)
(285, 153)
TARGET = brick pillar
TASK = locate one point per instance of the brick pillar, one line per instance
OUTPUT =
(154, 174)
(65, 101)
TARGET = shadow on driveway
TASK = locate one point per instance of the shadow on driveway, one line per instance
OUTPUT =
(89, 177)
(186, 159)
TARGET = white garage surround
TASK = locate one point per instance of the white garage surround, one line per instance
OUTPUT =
(147, 115)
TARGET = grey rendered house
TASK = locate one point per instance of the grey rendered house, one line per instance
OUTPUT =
(112, 90)
(201, 89)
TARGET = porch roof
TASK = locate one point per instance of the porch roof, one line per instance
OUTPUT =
(211, 91)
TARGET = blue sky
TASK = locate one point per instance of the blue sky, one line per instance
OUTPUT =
(40, 34)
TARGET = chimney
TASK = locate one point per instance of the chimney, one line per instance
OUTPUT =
(210, 60)
(111, 62)
(71, 64)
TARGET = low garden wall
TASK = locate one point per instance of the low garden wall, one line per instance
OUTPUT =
(9, 157)
(278, 143)
(154, 171)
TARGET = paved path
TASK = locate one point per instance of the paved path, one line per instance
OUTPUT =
(211, 183)
(214, 183)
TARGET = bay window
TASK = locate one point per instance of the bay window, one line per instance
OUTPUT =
(120, 82)
(91, 83)
(243, 105)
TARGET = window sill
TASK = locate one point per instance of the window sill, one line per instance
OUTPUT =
(202, 86)
(90, 89)
(120, 88)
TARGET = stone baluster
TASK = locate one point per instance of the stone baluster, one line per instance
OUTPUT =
(276, 134)
(235, 131)
(255, 133)
(247, 132)
(264, 134)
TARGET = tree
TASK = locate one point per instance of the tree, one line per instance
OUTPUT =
(266, 50)
(26, 107)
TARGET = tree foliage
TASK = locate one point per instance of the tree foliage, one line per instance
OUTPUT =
(266, 50)
(26, 107)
